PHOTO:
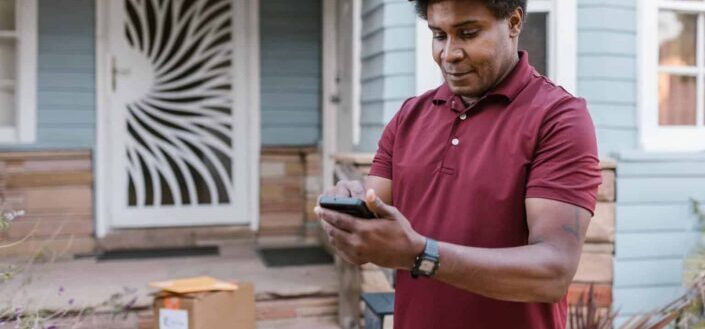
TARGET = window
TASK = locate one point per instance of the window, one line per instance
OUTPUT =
(672, 75)
(18, 30)
(552, 53)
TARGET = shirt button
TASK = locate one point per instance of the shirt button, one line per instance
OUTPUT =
(463, 116)
(455, 142)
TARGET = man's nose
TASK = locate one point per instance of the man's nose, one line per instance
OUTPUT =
(453, 52)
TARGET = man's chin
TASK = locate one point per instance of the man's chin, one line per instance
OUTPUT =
(464, 90)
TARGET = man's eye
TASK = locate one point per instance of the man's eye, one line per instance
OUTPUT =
(439, 36)
(469, 34)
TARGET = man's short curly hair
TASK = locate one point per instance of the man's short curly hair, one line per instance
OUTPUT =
(500, 8)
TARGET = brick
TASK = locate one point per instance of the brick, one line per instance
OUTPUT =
(597, 268)
(60, 247)
(281, 220)
(605, 192)
(599, 248)
(295, 169)
(171, 237)
(272, 169)
(46, 229)
(601, 227)
(602, 294)
(85, 164)
(280, 158)
(314, 184)
(54, 178)
(292, 204)
(58, 198)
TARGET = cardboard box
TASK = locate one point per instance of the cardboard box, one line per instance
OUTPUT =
(204, 303)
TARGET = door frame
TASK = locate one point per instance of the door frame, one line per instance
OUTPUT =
(248, 105)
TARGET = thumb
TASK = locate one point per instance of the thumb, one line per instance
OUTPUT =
(377, 206)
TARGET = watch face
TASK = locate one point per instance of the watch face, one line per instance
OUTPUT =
(427, 266)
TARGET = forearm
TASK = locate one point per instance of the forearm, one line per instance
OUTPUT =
(532, 273)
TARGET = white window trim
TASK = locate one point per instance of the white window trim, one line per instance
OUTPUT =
(562, 46)
(654, 137)
(24, 130)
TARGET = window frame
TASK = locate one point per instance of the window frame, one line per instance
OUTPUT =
(25, 83)
(561, 52)
(652, 136)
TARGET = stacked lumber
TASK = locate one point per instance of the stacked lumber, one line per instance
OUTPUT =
(55, 189)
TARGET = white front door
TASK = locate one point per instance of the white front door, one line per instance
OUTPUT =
(177, 145)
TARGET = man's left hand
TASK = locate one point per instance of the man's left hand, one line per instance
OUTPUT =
(388, 241)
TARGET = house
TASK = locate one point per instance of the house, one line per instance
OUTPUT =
(159, 122)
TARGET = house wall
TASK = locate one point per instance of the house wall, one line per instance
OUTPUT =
(291, 42)
(656, 226)
(66, 76)
(388, 65)
(655, 223)
(290, 65)
(607, 70)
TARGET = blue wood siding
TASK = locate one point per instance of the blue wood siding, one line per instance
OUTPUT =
(607, 70)
(291, 71)
(66, 76)
(655, 227)
(388, 55)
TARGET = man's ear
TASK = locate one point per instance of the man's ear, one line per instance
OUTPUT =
(516, 22)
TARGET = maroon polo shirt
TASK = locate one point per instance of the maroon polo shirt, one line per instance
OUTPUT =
(461, 176)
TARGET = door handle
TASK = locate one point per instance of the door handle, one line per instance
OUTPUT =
(115, 71)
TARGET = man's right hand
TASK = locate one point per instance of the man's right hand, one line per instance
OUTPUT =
(346, 188)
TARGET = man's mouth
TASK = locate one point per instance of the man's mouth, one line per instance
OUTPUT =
(457, 75)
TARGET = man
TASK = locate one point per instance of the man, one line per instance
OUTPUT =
(484, 186)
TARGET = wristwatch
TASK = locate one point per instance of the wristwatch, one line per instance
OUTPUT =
(428, 261)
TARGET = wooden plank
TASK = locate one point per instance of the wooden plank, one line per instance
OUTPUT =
(596, 268)
(354, 158)
(598, 248)
(349, 275)
(648, 272)
(58, 199)
(660, 169)
(641, 245)
(288, 150)
(39, 155)
(660, 189)
(642, 299)
(606, 190)
(602, 294)
(48, 178)
(375, 281)
(601, 227)
(62, 247)
(655, 217)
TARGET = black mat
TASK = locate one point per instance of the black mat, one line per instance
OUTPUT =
(158, 253)
(294, 256)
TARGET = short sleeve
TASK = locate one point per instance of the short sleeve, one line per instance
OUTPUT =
(565, 166)
(382, 162)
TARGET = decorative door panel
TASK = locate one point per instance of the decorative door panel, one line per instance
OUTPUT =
(172, 123)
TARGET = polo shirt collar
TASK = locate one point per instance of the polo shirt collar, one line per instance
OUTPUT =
(509, 88)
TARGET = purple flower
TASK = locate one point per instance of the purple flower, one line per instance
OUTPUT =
(52, 327)
(130, 304)
(61, 290)
(71, 301)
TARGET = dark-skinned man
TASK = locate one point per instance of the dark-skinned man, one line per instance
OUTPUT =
(484, 186)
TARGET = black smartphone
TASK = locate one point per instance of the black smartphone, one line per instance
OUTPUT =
(351, 206)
